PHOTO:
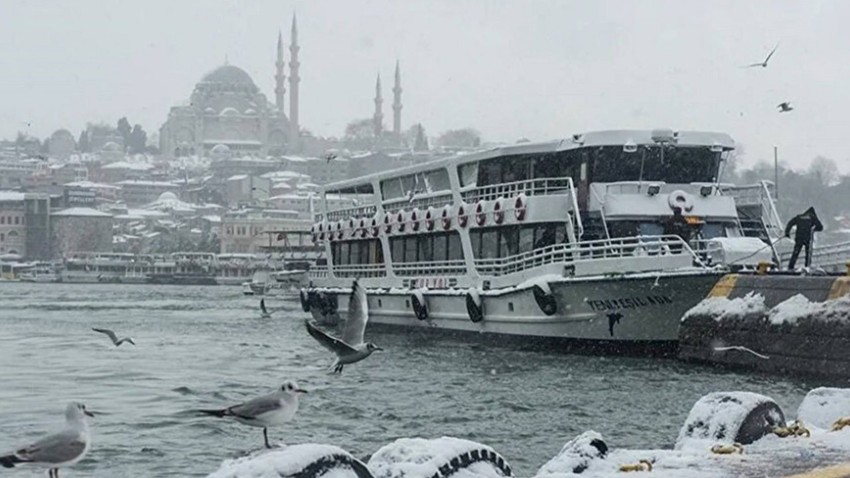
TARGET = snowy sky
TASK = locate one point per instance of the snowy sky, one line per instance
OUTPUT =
(538, 69)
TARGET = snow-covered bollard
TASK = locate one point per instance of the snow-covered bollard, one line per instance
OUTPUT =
(438, 458)
(823, 406)
(576, 455)
(729, 417)
(297, 461)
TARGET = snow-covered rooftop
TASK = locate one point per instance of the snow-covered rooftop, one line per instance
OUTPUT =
(11, 196)
(81, 211)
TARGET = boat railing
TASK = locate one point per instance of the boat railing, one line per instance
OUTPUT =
(319, 271)
(760, 195)
(435, 200)
(529, 187)
(832, 258)
(569, 254)
(367, 210)
(359, 270)
(444, 268)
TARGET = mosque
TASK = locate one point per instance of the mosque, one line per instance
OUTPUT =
(228, 114)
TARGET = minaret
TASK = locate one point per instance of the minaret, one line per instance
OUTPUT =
(279, 77)
(397, 102)
(378, 118)
(294, 129)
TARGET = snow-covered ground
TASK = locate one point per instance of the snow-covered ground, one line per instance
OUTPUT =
(716, 419)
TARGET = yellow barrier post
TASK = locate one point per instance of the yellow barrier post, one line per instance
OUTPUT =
(762, 267)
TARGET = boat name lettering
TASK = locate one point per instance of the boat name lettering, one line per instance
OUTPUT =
(628, 302)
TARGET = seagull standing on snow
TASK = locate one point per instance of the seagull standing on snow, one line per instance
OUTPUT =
(59, 450)
(349, 348)
(114, 337)
(784, 107)
(763, 64)
(273, 409)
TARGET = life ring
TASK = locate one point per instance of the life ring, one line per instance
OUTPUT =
(339, 230)
(429, 219)
(375, 228)
(400, 220)
(388, 225)
(545, 299)
(446, 218)
(314, 238)
(363, 230)
(498, 212)
(351, 225)
(480, 214)
(520, 207)
(420, 307)
(474, 306)
(462, 216)
(305, 300)
(414, 220)
(680, 199)
(321, 231)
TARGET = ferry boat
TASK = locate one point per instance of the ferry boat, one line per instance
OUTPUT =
(39, 272)
(559, 244)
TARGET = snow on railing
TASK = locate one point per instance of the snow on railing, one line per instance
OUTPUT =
(620, 248)
(444, 268)
(360, 270)
(421, 201)
(530, 187)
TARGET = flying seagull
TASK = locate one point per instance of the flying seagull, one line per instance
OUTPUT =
(764, 63)
(266, 313)
(349, 348)
(742, 349)
(114, 337)
(273, 409)
(330, 156)
(785, 107)
(58, 450)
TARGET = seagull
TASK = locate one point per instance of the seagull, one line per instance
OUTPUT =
(785, 107)
(273, 409)
(114, 337)
(266, 313)
(349, 348)
(58, 450)
(742, 349)
(330, 156)
(764, 63)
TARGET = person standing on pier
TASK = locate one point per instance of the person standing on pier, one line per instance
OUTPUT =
(807, 224)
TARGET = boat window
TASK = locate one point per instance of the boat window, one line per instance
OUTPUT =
(357, 252)
(455, 250)
(468, 174)
(508, 241)
(671, 164)
(526, 239)
(623, 228)
(710, 230)
(651, 229)
(437, 180)
(435, 247)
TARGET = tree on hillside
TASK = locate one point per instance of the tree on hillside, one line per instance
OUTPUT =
(137, 140)
(360, 129)
(124, 130)
(460, 138)
(421, 141)
(83, 143)
(825, 170)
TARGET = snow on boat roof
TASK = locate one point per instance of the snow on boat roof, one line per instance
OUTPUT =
(81, 211)
(11, 196)
(89, 184)
(583, 140)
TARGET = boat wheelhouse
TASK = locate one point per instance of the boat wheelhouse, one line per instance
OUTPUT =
(559, 241)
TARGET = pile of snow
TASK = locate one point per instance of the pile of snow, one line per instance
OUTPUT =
(728, 417)
(306, 461)
(798, 307)
(823, 406)
(446, 456)
(576, 455)
(721, 308)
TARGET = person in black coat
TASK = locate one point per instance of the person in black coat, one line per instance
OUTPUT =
(677, 225)
(807, 224)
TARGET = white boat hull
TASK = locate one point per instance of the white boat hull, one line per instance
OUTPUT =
(644, 309)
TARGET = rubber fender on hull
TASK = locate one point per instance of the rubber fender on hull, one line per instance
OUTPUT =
(305, 300)
(545, 299)
(474, 306)
(420, 307)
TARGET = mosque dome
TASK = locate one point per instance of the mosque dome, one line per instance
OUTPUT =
(111, 146)
(220, 149)
(61, 134)
(229, 77)
(229, 111)
(167, 196)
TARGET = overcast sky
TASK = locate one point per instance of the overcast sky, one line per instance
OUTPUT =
(536, 69)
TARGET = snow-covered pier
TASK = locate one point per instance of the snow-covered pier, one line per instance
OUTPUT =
(726, 434)
(786, 324)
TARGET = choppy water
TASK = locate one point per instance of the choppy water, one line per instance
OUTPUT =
(201, 347)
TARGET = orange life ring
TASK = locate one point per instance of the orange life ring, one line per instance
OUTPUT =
(498, 212)
(446, 217)
(414, 220)
(462, 217)
(429, 219)
(400, 220)
(520, 208)
(480, 214)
